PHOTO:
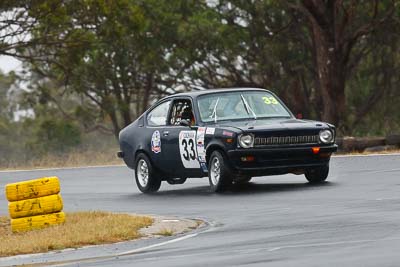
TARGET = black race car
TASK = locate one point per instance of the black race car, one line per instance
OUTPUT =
(229, 135)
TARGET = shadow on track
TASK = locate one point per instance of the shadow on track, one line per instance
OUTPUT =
(254, 188)
(239, 189)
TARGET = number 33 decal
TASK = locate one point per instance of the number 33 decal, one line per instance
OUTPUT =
(187, 149)
(188, 155)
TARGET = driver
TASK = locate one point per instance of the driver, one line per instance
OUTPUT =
(187, 114)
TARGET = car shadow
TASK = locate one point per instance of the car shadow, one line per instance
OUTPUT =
(241, 189)
(252, 188)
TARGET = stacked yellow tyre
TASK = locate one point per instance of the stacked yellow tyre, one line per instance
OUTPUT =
(35, 204)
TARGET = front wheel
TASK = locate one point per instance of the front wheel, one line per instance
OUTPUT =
(147, 179)
(317, 175)
(219, 173)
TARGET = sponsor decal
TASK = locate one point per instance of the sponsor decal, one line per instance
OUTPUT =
(156, 142)
(201, 152)
(187, 149)
(210, 131)
(227, 133)
(204, 167)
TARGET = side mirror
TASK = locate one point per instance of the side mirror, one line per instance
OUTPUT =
(184, 123)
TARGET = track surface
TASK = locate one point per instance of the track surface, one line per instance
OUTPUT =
(353, 220)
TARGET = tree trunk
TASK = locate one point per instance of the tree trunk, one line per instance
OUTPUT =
(114, 121)
(147, 91)
(328, 57)
(330, 71)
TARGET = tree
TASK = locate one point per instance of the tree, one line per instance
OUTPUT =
(307, 51)
(106, 61)
(340, 33)
(257, 44)
(118, 55)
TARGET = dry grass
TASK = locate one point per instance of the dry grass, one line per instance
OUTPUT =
(165, 232)
(80, 229)
(390, 151)
(71, 159)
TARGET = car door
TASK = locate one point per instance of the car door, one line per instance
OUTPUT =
(156, 127)
(180, 141)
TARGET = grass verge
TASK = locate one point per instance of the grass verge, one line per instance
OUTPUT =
(75, 158)
(80, 229)
(356, 153)
(105, 157)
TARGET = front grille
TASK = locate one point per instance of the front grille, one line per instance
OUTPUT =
(286, 140)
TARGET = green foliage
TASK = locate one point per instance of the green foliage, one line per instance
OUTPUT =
(6, 107)
(55, 136)
(97, 64)
(117, 55)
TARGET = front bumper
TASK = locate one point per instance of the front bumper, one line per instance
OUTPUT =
(279, 160)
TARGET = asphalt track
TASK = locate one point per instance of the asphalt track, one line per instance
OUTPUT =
(352, 220)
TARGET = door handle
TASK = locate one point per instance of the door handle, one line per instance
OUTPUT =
(165, 133)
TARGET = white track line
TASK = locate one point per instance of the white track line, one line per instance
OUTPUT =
(64, 168)
(331, 243)
(133, 251)
(69, 262)
(368, 155)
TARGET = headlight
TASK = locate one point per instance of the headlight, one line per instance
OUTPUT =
(246, 140)
(326, 136)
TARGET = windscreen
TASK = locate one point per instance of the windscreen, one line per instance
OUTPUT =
(240, 105)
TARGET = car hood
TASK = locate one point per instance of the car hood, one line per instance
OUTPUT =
(274, 124)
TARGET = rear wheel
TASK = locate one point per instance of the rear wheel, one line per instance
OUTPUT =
(147, 178)
(219, 173)
(317, 175)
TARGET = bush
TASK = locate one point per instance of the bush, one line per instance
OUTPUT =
(56, 136)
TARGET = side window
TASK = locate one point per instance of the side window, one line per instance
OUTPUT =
(158, 116)
(181, 110)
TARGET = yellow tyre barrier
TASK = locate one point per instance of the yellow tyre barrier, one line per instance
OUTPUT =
(35, 206)
(37, 222)
(33, 189)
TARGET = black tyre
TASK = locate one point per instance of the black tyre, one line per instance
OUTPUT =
(317, 175)
(219, 173)
(147, 178)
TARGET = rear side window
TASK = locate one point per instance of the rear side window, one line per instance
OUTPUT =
(158, 115)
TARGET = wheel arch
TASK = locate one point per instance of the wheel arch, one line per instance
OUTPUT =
(142, 150)
(137, 152)
(213, 147)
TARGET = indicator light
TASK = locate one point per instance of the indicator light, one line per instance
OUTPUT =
(247, 158)
(315, 150)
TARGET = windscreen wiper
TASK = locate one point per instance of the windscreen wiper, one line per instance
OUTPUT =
(247, 107)
(214, 113)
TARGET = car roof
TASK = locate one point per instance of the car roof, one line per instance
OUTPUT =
(217, 90)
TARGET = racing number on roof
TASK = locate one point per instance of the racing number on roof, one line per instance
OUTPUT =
(270, 100)
(187, 149)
